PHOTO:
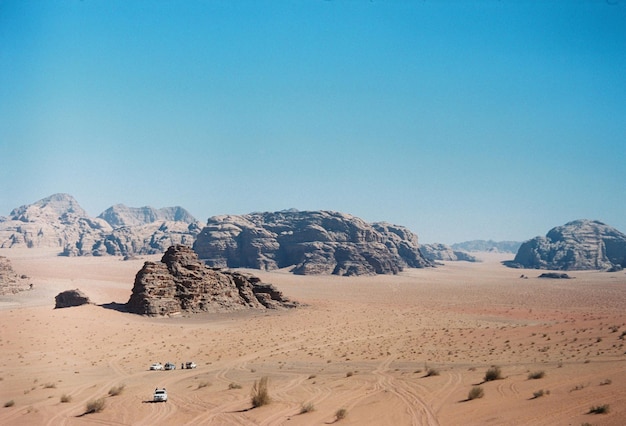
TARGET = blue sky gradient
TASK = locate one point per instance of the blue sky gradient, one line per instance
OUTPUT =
(458, 119)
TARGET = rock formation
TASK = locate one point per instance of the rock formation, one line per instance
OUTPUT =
(441, 252)
(59, 222)
(183, 283)
(577, 245)
(10, 282)
(488, 246)
(70, 298)
(313, 242)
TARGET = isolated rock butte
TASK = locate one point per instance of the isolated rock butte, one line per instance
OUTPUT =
(70, 298)
(182, 283)
(578, 245)
(310, 242)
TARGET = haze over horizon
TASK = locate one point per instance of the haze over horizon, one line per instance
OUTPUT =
(459, 120)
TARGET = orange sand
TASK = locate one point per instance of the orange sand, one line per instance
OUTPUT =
(361, 343)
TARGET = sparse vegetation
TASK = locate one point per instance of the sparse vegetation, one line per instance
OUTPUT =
(203, 384)
(8, 404)
(539, 393)
(536, 375)
(260, 393)
(432, 372)
(116, 390)
(234, 385)
(493, 373)
(475, 393)
(606, 382)
(599, 409)
(341, 414)
(349, 374)
(50, 386)
(66, 398)
(307, 408)
(95, 406)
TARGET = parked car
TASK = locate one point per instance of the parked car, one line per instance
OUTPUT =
(190, 365)
(160, 395)
(156, 366)
(170, 366)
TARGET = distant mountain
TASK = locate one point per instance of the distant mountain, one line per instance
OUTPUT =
(441, 252)
(488, 246)
(60, 222)
(120, 215)
(578, 245)
(309, 242)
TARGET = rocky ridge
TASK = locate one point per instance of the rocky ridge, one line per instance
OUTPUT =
(308, 242)
(181, 283)
(59, 222)
(442, 252)
(577, 245)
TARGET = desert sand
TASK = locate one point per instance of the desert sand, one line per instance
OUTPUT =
(362, 344)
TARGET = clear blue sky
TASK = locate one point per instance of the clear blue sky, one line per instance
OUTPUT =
(458, 119)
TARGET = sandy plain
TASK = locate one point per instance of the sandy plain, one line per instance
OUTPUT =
(363, 344)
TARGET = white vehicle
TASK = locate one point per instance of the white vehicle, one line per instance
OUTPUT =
(190, 365)
(156, 366)
(160, 395)
(170, 366)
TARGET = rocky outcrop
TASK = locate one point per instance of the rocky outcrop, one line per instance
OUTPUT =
(10, 282)
(70, 298)
(309, 242)
(577, 245)
(182, 283)
(59, 222)
(441, 252)
(487, 246)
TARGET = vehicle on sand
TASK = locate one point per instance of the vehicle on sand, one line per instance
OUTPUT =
(156, 366)
(160, 395)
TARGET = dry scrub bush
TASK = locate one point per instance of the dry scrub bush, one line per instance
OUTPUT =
(116, 390)
(475, 393)
(432, 372)
(260, 393)
(538, 394)
(95, 406)
(234, 385)
(341, 414)
(599, 409)
(307, 408)
(536, 375)
(66, 398)
(493, 373)
(10, 403)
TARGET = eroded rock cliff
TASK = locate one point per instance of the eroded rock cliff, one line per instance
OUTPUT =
(310, 242)
(182, 283)
(578, 245)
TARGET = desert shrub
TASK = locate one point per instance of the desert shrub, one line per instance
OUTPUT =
(260, 393)
(493, 373)
(599, 409)
(606, 382)
(116, 390)
(341, 414)
(50, 386)
(536, 375)
(538, 394)
(475, 393)
(66, 398)
(432, 372)
(10, 403)
(95, 406)
(349, 374)
(234, 385)
(307, 408)
(203, 384)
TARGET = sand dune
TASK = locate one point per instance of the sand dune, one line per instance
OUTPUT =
(364, 344)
